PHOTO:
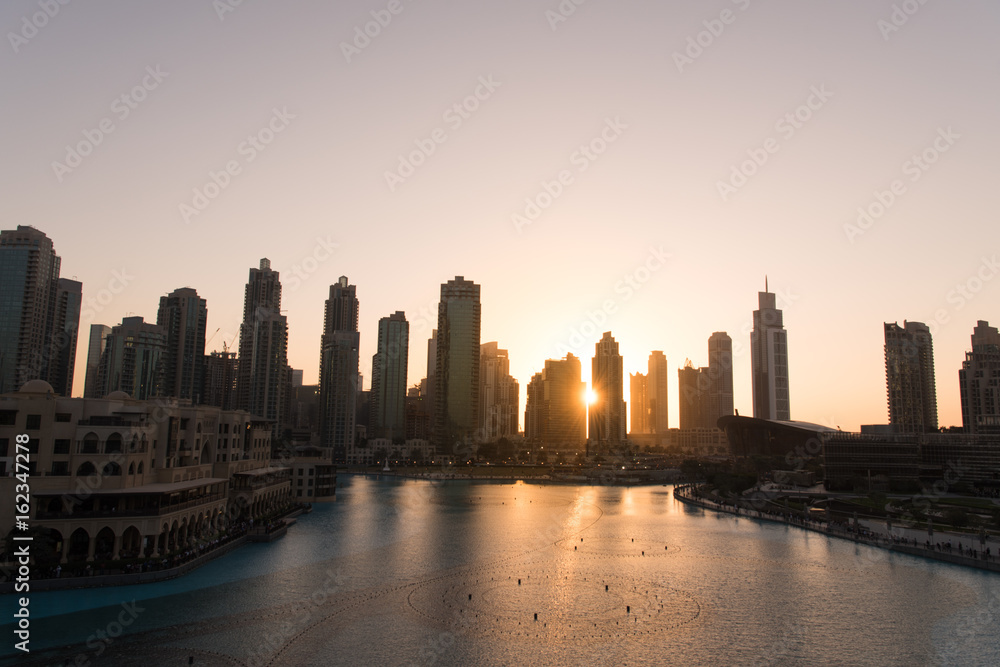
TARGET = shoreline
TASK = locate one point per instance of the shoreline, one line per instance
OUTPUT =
(990, 565)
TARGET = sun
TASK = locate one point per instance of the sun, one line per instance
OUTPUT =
(590, 396)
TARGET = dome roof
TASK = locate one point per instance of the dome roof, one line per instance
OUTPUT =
(118, 396)
(36, 387)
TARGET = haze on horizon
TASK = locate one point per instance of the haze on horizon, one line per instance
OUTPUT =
(631, 139)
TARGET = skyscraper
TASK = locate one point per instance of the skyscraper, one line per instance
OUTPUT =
(691, 390)
(639, 416)
(338, 370)
(39, 313)
(909, 376)
(498, 395)
(387, 404)
(183, 315)
(556, 413)
(769, 360)
(656, 393)
(219, 386)
(979, 381)
(607, 413)
(95, 348)
(720, 375)
(262, 366)
(132, 360)
(456, 394)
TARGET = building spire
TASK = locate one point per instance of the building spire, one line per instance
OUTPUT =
(765, 282)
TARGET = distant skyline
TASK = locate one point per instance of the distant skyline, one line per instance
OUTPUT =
(633, 167)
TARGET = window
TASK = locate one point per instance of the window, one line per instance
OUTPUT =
(63, 416)
(33, 422)
(61, 446)
(60, 468)
(33, 445)
(7, 417)
(4, 444)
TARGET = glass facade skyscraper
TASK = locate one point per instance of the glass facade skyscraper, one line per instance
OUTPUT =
(456, 395)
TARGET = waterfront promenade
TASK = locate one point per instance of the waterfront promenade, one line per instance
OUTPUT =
(946, 546)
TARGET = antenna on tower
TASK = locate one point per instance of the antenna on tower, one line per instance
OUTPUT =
(765, 282)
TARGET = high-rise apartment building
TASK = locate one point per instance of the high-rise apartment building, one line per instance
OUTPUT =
(769, 360)
(639, 404)
(691, 390)
(456, 378)
(262, 367)
(979, 381)
(387, 403)
(720, 375)
(219, 386)
(132, 360)
(184, 316)
(95, 348)
(339, 383)
(498, 395)
(556, 411)
(39, 313)
(656, 393)
(909, 376)
(607, 413)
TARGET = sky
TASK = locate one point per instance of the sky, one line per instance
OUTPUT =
(636, 167)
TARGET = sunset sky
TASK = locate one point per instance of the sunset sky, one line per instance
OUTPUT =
(677, 152)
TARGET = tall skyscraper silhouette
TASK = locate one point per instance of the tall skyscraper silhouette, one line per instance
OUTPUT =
(979, 381)
(261, 375)
(639, 404)
(132, 360)
(769, 360)
(456, 395)
(387, 403)
(607, 413)
(556, 412)
(39, 313)
(656, 393)
(909, 377)
(720, 375)
(338, 370)
(183, 315)
(498, 395)
(95, 348)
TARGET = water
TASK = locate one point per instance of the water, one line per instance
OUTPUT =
(384, 575)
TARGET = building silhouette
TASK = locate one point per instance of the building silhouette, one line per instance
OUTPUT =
(639, 404)
(656, 393)
(769, 360)
(498, 395)
(132, 360)
(219, 385)
(261, 376)
(387, 403)
(338, 370)
(456, 390)
(979, 381)
(183, 316)
(607, 413)
(555, 414)
(95, 348)
(39, 313)
(909, 376)
(720, 375)
(693, 396)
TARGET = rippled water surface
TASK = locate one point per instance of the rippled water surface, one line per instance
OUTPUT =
(414, 572)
